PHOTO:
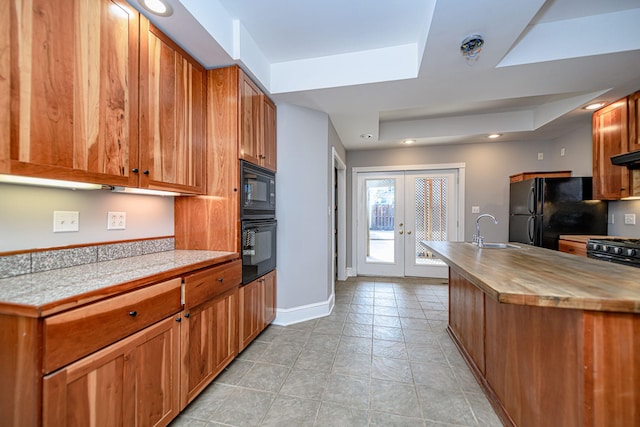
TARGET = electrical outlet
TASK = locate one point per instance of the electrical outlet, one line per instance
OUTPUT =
(475, 209)
(562, 152)
(612, 219)
(630, 219)
(65, 221)
(116, 220)
(540, 156)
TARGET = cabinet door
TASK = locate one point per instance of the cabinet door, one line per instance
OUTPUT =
(269, 283)
(610, 137)
(209, 343)
(634, 121)
(133, 382)
(74, 91)
(466, 316)
(172, 106)
(251, 312)
(269, 146)
(250, 120)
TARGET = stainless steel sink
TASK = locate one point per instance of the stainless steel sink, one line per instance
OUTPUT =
(499, 246)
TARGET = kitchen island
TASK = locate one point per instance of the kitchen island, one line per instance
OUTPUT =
(553, 338)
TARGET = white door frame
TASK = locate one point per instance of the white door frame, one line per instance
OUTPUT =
(460, 167)
(339, 199)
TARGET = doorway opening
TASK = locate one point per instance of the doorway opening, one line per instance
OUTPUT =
(338, 219)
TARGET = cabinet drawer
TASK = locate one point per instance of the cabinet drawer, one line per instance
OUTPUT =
(204, 285)
(572, 247)
(76, 333)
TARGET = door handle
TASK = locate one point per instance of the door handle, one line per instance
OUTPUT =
(409, 232)
(400, 225)
(401, 232)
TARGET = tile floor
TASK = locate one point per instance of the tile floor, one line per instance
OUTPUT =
(382, 358)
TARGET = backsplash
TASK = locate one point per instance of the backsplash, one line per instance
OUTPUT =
(35, 262)
(618, 209)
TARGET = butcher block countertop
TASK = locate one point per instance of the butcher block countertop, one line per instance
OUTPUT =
(49, 292)
(536, 276)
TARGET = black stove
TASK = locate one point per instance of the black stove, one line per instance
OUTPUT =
(620, 251)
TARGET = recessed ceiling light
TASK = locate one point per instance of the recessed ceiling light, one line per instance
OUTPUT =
(495, 135)
(158, 7)
(366, 136)
(594, 106)
(408, 141)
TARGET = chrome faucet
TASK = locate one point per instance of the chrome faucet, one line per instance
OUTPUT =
(477, 238)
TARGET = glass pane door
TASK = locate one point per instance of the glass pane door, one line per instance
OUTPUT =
(431, 214)
(380, 228)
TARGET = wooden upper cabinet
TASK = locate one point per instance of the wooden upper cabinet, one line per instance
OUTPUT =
(250, 126)
(633, 103)
(73, 90)
(269, 143)
(172, 115)
(610, 137)
(257, 124)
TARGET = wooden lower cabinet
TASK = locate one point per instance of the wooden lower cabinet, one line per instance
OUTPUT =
(269, 297)
(467, 321)
(251, 308)
(257, 307)
(209, 342)
(133, 382)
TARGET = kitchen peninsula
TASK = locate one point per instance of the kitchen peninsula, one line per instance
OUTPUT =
(553, 338)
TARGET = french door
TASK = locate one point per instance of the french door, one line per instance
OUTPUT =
(398, 210)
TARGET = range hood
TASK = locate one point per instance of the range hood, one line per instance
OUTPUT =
(630, 160)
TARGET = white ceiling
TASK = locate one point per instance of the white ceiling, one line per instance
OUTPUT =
(393, 69)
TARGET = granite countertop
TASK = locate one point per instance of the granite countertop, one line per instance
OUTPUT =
(542, 277)
(48, 292)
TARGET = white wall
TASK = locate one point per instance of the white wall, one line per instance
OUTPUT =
(26, 216)
(302, 207)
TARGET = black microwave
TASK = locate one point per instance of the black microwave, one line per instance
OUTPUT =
(257, 192)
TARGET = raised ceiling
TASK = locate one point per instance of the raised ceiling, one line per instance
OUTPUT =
(393, 69)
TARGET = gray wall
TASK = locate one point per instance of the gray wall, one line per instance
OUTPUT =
(26, 216)
(302, 207)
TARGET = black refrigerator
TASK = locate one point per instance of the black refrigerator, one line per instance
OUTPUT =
(541, 209)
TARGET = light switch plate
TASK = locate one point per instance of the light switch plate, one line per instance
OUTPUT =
(66, 221)
(475, 209)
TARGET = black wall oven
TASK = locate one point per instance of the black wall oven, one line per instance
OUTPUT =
(258, 248)
(258, 217)
(258, 192)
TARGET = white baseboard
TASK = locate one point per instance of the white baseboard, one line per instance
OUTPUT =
(289, 316)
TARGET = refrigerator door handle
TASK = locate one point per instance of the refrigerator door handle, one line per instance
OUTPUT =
(529, 233)
(531, 200)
